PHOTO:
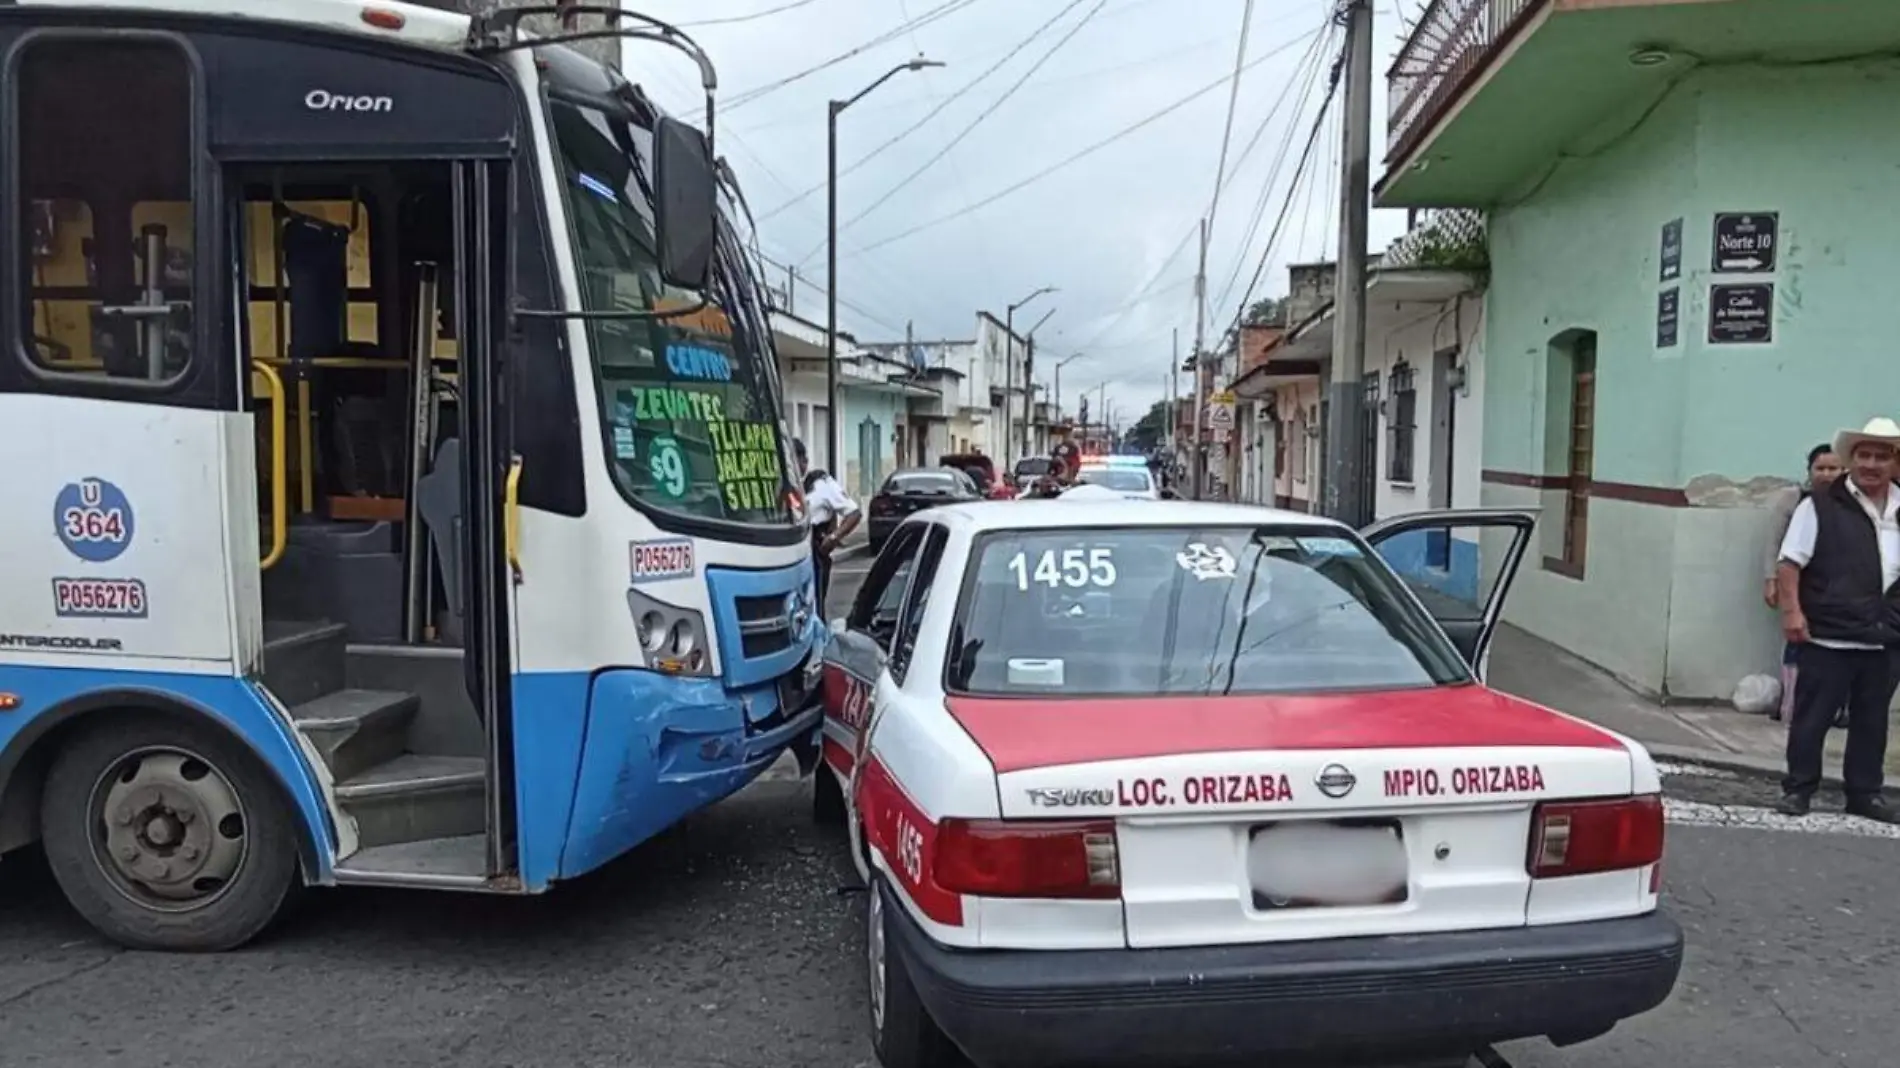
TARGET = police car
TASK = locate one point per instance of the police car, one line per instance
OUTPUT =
(1127, 475)
(1177, 783)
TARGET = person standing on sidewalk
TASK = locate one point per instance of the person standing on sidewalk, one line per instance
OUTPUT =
(834, 515)
(1823, 467)
(1839, 594)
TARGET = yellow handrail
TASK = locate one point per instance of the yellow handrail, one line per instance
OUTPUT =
(279, 473)
(511, 517)
(306, 449)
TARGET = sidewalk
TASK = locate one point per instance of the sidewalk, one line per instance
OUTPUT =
(1536, 670)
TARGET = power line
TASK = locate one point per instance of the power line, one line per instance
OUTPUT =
(889, 283)
(1083, 154)
(978, 121)
(1233, 102)
(1309, 62)
(934, 112)
(848, 305)
(948, 7)
(1332, 89)
(730, 19)
(1098, 73)
(1258, 215)
(1145, 290)
(1305, 76)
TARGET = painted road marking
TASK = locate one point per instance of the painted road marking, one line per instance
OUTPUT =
(1749, 817)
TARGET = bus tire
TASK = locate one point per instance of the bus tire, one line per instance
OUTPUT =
(168, 834)
(827, 797)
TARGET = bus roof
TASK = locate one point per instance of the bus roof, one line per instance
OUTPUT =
(407, 23)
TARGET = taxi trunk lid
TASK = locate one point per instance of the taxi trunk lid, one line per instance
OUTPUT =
(1280, 818)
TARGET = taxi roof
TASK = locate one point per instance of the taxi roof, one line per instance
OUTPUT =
(980, 516)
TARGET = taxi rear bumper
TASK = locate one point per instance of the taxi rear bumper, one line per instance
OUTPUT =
(1330, 1002)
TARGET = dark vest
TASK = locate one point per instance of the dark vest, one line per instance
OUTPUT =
(1841, 590)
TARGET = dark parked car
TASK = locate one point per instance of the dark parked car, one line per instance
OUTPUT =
(909, 491)
(981, 471)
(1029, 469)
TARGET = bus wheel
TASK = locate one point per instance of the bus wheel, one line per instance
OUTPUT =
(168, 835)
(827, 797)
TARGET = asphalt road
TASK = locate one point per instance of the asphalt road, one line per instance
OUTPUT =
(736, 940)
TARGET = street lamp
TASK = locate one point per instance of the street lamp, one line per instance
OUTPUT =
(1059, 365)
(1009, 364)
(832, 111)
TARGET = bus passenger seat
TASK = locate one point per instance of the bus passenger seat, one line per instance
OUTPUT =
(439, 499)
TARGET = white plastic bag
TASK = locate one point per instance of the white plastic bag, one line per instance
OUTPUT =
(1758, 694)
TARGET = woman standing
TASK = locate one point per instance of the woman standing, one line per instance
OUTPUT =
(1823, 467)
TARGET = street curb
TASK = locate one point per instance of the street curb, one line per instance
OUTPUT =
(1739, 763)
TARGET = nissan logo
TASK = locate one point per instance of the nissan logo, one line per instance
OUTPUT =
(1335, 781)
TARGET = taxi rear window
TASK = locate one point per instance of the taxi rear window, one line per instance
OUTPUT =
(1172, 611)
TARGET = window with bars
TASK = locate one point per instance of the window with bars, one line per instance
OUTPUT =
(1402, 425)
(1582, 452)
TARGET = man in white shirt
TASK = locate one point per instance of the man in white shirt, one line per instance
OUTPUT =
(833, 515)
(1839, 592)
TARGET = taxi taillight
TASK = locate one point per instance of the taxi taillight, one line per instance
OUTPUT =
(1028, 858)
(1582, 837)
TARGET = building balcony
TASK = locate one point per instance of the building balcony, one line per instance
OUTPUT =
(1487, 95)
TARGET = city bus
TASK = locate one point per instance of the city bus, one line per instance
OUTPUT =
(398, 491)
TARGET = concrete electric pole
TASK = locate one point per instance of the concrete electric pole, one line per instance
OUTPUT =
(1197, 457)
(1348, 468)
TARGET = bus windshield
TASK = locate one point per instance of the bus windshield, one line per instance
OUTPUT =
(688, 401)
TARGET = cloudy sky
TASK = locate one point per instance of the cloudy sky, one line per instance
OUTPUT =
(953, 211)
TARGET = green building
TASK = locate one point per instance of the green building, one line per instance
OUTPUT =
(1694, 260)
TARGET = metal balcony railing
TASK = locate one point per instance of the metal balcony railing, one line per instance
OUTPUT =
(1453, 40)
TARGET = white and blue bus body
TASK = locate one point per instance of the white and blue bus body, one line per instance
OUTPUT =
(398, 491)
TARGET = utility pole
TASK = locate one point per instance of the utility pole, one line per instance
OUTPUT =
(1196, 460)
(1347, 466)
(1009, 366)
(1029, 390)
(1029, 382)
(1174, 396)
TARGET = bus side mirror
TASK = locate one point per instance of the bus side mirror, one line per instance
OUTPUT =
(686, 204)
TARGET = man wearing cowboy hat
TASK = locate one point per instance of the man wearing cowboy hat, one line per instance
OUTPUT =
(1839, 593)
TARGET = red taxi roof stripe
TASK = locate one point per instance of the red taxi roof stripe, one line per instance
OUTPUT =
(1021, 733)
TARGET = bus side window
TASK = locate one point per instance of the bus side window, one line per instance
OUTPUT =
(105, 151)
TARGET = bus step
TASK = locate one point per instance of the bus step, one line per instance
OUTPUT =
(415, 797)
(303, 661)
(356, 730)
(458, 863)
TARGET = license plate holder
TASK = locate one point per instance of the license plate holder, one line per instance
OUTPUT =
(1305, 864)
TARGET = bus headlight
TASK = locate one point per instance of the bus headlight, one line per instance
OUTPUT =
(672, 639)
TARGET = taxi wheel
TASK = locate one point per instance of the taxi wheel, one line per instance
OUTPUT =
(827, 798)
(902, 1033)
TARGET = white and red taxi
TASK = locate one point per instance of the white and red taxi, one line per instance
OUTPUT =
(1173, 783)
